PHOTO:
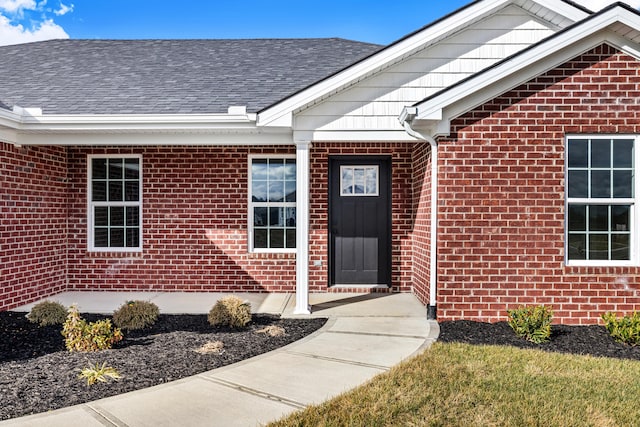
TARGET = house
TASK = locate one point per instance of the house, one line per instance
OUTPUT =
(482, 162)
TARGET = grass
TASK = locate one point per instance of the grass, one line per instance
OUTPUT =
(466, 385)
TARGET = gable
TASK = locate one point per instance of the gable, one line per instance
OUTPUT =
(372, 106)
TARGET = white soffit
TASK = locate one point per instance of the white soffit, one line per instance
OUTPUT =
(281, 114)
(617, 26)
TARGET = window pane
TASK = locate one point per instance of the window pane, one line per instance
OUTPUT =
(101, 238)
(620, 248)
(358, 176)
(620, 216)
(601, 184)
(578, 184)
(259, 191)
(276, 191)
(117, 237)
(600, 153)
(276, 217)
(347, 180)
(115, 191)
(260, 238)
(117, 216)
(290, 191)
(290, 170)
(99, 191)
(259, 169)
(291, 238)
(577, 218)
(132, 191)
(133, 238)
(276, 238)
(578, 153)
(371, 179)
(132, 168)
(598, 246)
(598, 218)
(115, 169)
(133, 216)
(623, 153)
(622, 184)
(260, 217)
(98, 168)
(276, 169)
(291, 217)
(577, 246)
(101, 216)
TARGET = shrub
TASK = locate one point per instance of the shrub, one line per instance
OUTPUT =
(230, 311)
(531, 323)
(211, 347)
(99, 373)
(82, 336)
(48, 313)
(625, 329)
(134, 315)
(272, 331)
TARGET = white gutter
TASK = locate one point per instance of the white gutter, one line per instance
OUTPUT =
(406, 117)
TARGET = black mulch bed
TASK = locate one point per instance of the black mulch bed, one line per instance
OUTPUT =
(38, 374)
(593, 340)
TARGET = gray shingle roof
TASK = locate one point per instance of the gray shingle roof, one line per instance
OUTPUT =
(166, 76)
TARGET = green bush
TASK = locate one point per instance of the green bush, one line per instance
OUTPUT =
(47, 313)
(82, 336)
(625, 329)
(532, 323)
(134, 315)
(230, 311)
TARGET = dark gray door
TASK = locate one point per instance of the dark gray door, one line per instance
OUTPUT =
(360, 220)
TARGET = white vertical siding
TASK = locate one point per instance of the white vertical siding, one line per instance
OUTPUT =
(376, 102)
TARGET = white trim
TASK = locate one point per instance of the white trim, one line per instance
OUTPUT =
(634, 235)
(303, 160)
(353, 135)
(139, 203)
(439, 110)
(281, 114)
(251, 204)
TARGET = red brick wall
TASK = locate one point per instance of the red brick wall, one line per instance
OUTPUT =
(194, 226)
(33, 223)
(421, 237)
(501, 228)
(195, 223)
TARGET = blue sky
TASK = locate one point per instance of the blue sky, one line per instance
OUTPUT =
(372, 21)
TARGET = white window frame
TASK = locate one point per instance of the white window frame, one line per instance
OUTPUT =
(251, 204)
(91, 204)
(632, 202)
(353, 168)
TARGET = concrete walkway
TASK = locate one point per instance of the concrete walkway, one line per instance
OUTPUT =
(365, 336)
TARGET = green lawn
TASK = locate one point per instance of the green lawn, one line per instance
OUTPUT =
(466, 385)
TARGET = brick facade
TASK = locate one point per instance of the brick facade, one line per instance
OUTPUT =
(501, 224)
(33, 224)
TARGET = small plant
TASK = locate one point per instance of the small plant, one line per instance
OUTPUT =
(531, 323)
(99, 373)
(272, 331)
(47, 313)
(230, 311)
(134, 315)
(211, 347)
(625, 329)
(82, 336)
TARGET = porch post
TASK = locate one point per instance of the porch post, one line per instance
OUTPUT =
(302, 227)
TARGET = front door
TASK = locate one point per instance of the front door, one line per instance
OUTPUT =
(360, 220)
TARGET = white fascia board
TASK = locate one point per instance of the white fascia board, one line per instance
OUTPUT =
(379, 60)
(354, 136)
(541, 58)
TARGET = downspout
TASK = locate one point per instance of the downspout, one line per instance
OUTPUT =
(433, 267)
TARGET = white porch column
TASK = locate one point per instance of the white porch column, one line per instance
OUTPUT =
(303, 149)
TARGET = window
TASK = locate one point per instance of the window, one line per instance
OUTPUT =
(359, 180)
(115, 203)
(601, 201)
(272, 204)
